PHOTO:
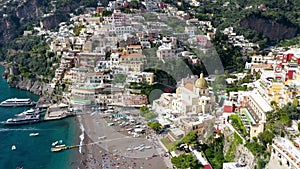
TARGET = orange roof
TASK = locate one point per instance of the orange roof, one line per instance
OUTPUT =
(189, 86)
(95, 73)
(262, 66)
(132, 55)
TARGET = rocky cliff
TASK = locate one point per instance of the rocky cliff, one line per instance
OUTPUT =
(18, 16)
(270, 28)
(36, 87)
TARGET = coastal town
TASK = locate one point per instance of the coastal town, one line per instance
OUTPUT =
(149, 94)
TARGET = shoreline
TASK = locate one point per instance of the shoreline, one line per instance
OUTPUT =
(75, 156)
(108, 154)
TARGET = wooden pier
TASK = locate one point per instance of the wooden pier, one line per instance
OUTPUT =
(60, 148)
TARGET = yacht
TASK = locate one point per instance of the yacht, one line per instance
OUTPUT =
(29, 112)
(23, 120)
(15, 102)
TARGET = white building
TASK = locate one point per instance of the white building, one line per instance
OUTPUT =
(165, 52)
(285, 151)
(192, 96)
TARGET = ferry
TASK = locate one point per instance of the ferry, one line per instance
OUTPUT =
(15, 102)
(29, 112)
(23, 120)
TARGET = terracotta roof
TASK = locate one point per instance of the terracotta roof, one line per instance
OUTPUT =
(132, 55)
(189, 86)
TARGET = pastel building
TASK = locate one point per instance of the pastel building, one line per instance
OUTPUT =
(198, 124)
(140, 77)
(166, 52)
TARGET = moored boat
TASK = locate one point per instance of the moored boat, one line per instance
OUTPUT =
(29, 112)
(61, 145)
(16, 102)
(22, 120)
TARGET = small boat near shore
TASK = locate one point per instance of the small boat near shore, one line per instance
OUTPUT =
(16, 102)
(61, 145)
(34, 134)
(59, 148)
(56, 142)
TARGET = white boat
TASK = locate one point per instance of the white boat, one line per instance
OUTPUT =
(29, 112)
(55, 143)
(13, 147)
(62, 145)
(34, 134)
(13, 102)
(148, 147)
(22, 120)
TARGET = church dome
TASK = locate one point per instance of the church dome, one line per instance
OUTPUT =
(201, 82)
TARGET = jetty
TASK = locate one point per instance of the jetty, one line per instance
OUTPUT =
(60, 148)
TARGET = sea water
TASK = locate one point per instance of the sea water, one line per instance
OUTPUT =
(33, 152)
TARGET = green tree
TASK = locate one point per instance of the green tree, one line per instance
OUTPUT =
(274, 104)
(185, 161)
(266, 137)
(149, 115)
(155, 126)
(255, 147)
(190, 138)
(144, 110)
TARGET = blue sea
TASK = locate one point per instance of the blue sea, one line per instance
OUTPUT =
(34, 152)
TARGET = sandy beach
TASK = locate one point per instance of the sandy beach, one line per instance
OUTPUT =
(112, 149)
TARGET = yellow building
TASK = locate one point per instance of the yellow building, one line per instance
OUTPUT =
(256, 129)
(148, 77)
(275, 92)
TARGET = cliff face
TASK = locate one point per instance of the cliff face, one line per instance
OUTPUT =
(36, 87)
(15, 80)
(16, 16)
(272, 29)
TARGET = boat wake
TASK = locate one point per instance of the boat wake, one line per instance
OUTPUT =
(81, 135)
(27, 129)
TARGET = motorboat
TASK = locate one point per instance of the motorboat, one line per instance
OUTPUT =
(29, 112)
(13, 147)
(34, 134)
(55, 143)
